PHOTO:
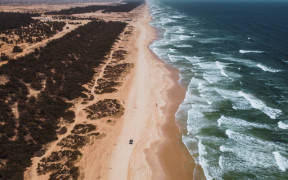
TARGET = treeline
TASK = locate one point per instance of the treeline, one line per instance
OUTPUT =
(12, 20)
(36, 31)
(59, 70)
(77, 10)
(127, 7)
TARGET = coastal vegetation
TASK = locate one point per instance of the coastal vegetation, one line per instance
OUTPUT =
(34, 32)
(68, 17)
(13, 20)
(77, 10)
(61, 165)
(19, 29)
(83, 128)
(119, 54)
(29, 121)
(126, 7)
(112, 74)
(105, 108)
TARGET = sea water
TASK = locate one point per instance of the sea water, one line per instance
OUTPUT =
(233, 59)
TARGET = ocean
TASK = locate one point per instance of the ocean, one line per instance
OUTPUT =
(233, 59)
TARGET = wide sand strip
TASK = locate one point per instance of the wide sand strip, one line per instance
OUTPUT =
(149, 119)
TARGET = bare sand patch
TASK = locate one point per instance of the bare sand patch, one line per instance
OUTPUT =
(3, 79)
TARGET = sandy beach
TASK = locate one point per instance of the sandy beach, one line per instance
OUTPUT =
(154, 97)
(142, 90)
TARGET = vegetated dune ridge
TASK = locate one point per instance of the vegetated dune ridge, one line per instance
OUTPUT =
(105, 86)
(32, 119)
(104, 92)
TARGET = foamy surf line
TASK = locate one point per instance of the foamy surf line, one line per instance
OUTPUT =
(258, 104)
(183, 46)
(226, 95)
(236, 122)
(221, 67)
(250, 51)
(282, 125)
(281, 161)
(269, 69)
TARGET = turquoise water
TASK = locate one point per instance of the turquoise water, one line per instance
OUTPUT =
(233, 60)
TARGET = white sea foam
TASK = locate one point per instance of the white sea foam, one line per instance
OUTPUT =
(172, 50)
(245, 62)
(238, 103)
(184, 37)
(206, 65)
(246, 140)
(258, 104)
(165, 21)
(281, 161)
(250, 51)
(282, 125)
(246, 159)
(211, 40)
(196, 119)
(158, 52)
(194, 82)
(219, 54)
(250, 152)
(176, 29)
(269, 69)
(221, 67)
(210, 173)
(180, 30)
(175, 38)
(178, 16)
(192, 146)
(209, 102)
(285, 61)
(183, 46)
(226, 94)
(202, 160)
(235, 122)
(211, 78)
(201, 87)
(174, 58)
(193, 59)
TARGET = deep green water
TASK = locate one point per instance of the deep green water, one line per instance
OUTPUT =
(233, 60)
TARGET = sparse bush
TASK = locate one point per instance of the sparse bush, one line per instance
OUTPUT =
(17, 49)
(63, 130)
(105, 108)
(83, 128)
(4, 57)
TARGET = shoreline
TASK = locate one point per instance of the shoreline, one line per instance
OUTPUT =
(173, 154)
(176, 166)
(149, 119)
